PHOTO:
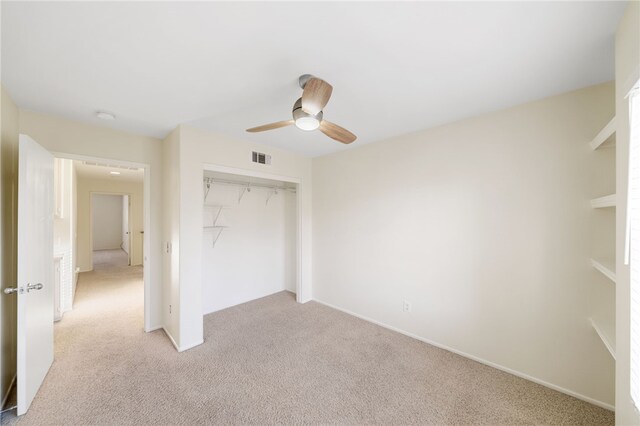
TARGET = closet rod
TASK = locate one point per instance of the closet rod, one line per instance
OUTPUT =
(246, 184)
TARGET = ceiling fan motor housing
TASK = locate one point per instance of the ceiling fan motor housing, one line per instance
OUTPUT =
(299, 113)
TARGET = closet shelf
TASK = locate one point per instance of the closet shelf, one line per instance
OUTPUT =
(603, 202)
(607, 336)
(604, 135)
(606, 267)
(214, 227)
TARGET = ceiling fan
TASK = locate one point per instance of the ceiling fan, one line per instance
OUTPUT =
(307, 111)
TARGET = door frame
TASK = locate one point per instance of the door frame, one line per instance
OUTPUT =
(147, 253)
(128, 194)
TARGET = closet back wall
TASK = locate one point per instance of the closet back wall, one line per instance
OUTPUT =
(255, 256)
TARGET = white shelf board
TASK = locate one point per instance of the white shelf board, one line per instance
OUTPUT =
(606, 267)
(603, 202)
(604, 134)
(607, 335)
(214, 227)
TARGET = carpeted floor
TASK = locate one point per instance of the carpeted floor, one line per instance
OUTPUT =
(271, 361)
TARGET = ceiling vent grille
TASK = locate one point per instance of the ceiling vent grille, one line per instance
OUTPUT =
(260, 158)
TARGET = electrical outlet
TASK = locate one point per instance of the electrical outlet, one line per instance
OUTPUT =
(406, 306)
(169, 308)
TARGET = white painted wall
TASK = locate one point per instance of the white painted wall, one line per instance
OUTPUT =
(106, 221)
(256, 255)
(484, 227)
(187, 150)
(627, 72)
(87, 188)
(9, 123)
(61, 135)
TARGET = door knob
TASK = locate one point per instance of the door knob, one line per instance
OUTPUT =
(11, 290)
(34, 287)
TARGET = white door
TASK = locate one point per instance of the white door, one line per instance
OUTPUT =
(35, 269)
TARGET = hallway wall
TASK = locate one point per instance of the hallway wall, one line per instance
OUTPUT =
(85, 245)
(106, 225)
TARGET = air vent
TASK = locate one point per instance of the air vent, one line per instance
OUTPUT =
(112, 166)
(260, 158)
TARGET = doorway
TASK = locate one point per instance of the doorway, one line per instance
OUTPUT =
(118, 192)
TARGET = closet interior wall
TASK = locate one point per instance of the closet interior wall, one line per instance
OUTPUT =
(249, 239)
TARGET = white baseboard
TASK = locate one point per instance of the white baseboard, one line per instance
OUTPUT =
(475, 358)
(153, 328)
(6, 395)
(175, 345)
(193, 345)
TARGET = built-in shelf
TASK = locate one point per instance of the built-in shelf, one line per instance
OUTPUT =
(607, 335)
(603, 202)
(606, 267)
(218, 222)
(604, 135)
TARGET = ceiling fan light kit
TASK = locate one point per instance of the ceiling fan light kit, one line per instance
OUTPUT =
(303, 120)
(307, 111)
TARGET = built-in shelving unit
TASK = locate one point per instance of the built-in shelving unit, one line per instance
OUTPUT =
(604, 202)
(606, 267)
(607, 335)
(603, 311)
(604, 136)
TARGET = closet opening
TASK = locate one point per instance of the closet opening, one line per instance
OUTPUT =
(250, 238)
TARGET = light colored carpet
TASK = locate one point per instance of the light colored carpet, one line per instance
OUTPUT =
(271, 361)
(109, 259)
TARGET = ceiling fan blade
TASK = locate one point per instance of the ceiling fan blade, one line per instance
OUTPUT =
(336, 132)
(315, 96)
(270, 126)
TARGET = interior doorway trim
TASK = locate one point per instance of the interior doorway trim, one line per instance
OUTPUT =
(299, 189)
(146, 240)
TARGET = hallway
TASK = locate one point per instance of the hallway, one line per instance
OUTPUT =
(99, 342)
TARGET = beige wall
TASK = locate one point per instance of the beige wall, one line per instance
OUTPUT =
(171, 234)
(8, 239)
(67, 137)
(484, 227)
(186, 154)
(86, 187)
(627, 73)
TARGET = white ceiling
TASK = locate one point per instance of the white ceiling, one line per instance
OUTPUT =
(92, 170)
(396, 67)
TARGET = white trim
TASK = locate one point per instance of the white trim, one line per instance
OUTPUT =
(175, 345)
(251, 173)
(148, 257)
(154, 328)
(477, 359)
(631, 81)
(6, 396)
